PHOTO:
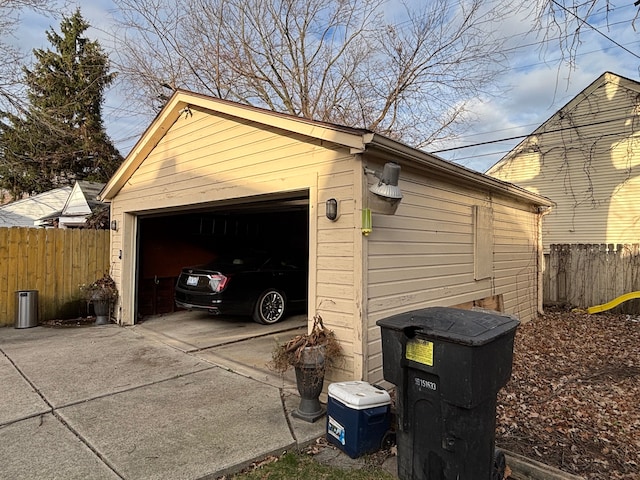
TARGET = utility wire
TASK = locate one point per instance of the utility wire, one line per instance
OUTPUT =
(595, 29)
(536, 124)
(489, 142)
(574, 127)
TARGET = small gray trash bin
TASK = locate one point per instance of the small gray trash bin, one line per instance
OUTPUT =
(26, 308)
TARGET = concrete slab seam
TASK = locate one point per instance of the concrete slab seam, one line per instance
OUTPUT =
(131, 389)
(57, 417)
(286, 416)
(159, 338)
(237, 372)
(224, 344)
(26, 379)
(26, 417)
(86, 443)
(229, 369)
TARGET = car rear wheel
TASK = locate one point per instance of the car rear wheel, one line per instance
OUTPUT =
(269, 307)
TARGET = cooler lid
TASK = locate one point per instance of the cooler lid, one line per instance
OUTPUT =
(359, 395)
(468, 327)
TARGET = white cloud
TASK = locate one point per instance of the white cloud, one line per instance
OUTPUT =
(535, 90)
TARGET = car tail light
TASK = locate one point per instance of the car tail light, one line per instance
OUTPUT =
(217, 282)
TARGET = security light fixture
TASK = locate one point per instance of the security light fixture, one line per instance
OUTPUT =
(387, 186)
(332, 209)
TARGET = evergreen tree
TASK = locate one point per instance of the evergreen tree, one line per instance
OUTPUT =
(61, 137)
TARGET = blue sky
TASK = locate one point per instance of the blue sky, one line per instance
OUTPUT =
(535, 86)
(538, 87)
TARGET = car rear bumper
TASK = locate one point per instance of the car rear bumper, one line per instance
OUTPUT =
(214, 304)
(189, 306)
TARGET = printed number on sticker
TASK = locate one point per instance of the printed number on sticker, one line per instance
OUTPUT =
(422, 383)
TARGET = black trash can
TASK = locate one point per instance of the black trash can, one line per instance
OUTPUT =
(26, 309)
(448, 365)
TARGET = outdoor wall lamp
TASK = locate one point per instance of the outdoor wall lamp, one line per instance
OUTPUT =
(387, 186)
(331, 209)
(114, 225)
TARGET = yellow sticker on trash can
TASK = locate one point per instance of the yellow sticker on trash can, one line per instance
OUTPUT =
(420, 351)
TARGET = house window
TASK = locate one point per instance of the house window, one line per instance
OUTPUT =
(482, 242)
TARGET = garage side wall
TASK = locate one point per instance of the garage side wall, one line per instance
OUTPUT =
(209, 159)
(427, 254)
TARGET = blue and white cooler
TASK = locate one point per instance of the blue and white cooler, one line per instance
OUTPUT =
(358, 416)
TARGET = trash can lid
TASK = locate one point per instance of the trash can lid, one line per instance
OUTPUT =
(469, 327)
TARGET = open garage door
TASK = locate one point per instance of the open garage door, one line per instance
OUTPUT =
(168, 242)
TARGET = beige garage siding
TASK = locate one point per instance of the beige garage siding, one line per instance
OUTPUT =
(207, 159)
(516, 252)
(424, 256)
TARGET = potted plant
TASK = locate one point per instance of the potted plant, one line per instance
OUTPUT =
(102, 294)
(309, 354)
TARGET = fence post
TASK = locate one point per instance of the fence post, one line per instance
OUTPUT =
(563, 261)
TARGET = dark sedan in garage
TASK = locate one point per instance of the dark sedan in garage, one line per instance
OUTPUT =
(262, 285)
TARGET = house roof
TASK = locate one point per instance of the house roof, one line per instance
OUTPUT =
(606, 77)
(23, 213)
(357, 140)
(82, 199)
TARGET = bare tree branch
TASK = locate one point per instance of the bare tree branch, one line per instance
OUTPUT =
(341, 61)
(563, 23)
(11, 58)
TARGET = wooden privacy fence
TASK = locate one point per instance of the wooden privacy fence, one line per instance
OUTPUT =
(55, 262)
(585, 275)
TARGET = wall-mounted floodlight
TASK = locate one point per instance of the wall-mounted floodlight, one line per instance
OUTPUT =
(387, 186)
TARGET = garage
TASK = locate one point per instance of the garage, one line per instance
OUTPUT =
(387, 228)
(168, 242)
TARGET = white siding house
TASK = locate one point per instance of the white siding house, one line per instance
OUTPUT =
(28, 211)
(586, 159)
(64, 207)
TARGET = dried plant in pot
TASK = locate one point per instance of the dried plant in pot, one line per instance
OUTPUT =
(102, 294)
(309, 354)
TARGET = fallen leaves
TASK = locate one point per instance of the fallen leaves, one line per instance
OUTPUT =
(573, 398)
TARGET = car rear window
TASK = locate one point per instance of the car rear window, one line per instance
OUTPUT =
(246, 259)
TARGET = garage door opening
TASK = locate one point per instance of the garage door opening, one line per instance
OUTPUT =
(167, 243)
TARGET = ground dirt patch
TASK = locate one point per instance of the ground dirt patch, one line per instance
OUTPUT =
(69, 323)
(573, 401)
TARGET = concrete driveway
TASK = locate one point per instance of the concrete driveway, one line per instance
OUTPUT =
(180, 396)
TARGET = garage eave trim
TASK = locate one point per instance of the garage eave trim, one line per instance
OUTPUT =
(392, 149)
(147, 142)
(352, 138)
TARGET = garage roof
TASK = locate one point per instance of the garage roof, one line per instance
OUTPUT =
(357, 140)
